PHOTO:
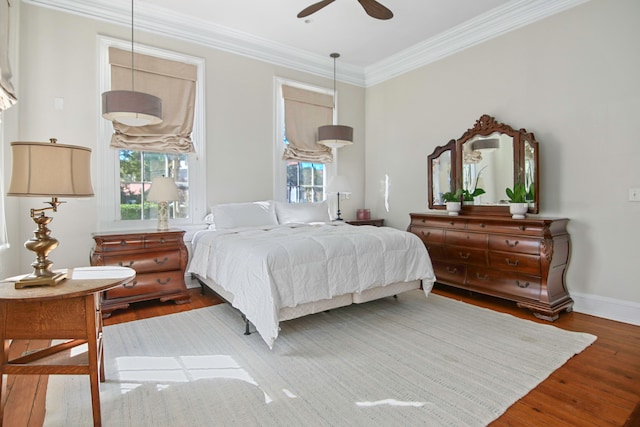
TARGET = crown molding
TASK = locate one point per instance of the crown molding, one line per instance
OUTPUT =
(498, 21)
(152, 19)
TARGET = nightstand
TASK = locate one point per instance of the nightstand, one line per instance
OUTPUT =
(372, 221)
(159, 259)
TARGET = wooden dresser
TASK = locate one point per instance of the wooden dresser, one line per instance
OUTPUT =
(159, 259)
(521, 260)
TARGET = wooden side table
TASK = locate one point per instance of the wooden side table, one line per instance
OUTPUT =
(378, 222)
(69, 311)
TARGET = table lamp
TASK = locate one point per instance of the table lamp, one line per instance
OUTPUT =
(47, 169)
(338, 184)
(163, 190)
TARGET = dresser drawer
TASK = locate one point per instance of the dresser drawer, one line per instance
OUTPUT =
(517, 229)
(500, 283)
(429, 235)
(462, 238)
(163, 241)
(144, 262)
(450, 272)
(465, 255)
(509, 261)
(149, 284)
(435, 251)
(514, 244)
(117, 244)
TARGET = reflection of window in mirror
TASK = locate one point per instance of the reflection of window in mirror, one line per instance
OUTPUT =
(529, 165)
(488, 164)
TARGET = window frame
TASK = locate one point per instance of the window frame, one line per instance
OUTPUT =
(108, 167)
(280, 165)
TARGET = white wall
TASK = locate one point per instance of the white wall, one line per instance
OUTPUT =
(58, 59)
(572, 80)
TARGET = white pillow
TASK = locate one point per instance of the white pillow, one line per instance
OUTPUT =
(251, 214)
(302, 212)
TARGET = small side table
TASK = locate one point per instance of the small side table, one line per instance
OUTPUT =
(378, 222)
(69, 311)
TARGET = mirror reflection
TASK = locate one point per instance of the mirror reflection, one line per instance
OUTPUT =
(441, 176)
(487, 164)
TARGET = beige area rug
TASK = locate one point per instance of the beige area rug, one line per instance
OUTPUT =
(414, 361)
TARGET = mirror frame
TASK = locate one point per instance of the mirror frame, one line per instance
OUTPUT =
(485, 126)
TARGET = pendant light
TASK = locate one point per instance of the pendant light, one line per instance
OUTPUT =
(129, 107)
(335, 136)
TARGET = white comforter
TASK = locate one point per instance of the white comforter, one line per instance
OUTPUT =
(271, 267)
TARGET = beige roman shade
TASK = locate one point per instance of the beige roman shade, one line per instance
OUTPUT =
(304, 112)
(7, 93)
(172, 81)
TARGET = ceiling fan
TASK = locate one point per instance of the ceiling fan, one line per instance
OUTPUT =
(372, 7)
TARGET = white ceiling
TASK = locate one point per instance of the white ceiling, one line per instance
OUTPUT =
(372, 50)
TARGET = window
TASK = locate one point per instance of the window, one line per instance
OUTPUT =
(124, 175)
(297, 181)
(137, 170)
(305, 182)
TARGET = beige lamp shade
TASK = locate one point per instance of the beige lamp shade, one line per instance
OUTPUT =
(47, 169)
(131, 108)
(338, 184)
(335, 136)
(163, 189)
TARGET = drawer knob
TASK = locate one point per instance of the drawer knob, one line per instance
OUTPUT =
(123, 243)
(522, 285)
(522, 227)
(482, 277)
(121, 264)
(130, 285)
(162, 240)
(160, 262)
(427, 234)
(452, 270)
(465, 255)
(161, 282)
(512, 263)
(512, 244)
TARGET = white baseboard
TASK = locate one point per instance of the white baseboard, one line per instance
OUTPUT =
(608, 308)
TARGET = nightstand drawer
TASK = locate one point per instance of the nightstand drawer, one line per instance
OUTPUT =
(163, 241)
(119, 244)
(149, 284)
(146, 263)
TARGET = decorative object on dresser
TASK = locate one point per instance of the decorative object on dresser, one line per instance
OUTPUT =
(163, 190)
(521, 260)
(159, 258)
(378, 222)
(486, 250)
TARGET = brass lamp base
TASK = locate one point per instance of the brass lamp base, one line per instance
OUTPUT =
(30, 280)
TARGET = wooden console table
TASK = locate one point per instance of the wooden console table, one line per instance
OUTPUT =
(69, 311)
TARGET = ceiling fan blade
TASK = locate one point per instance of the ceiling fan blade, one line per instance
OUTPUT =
(314, 8)
(375, 9)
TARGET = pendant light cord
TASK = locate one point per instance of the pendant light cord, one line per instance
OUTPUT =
(132, 69)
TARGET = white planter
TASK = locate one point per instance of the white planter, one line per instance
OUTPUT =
(453, 208)
(518, 210)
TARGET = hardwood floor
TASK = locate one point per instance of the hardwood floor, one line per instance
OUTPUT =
(598, 387)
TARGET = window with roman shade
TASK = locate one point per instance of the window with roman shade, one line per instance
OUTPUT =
(7, 93)
(172, 81)
(304, 112)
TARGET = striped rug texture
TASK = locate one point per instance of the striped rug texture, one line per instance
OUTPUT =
(413, 361)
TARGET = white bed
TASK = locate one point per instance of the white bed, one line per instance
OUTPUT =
(278, 267)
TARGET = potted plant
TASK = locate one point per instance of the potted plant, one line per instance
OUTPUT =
(518, 204)
(452, 200)
(468, 196)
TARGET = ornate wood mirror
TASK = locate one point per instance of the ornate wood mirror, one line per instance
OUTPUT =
(491, 156)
